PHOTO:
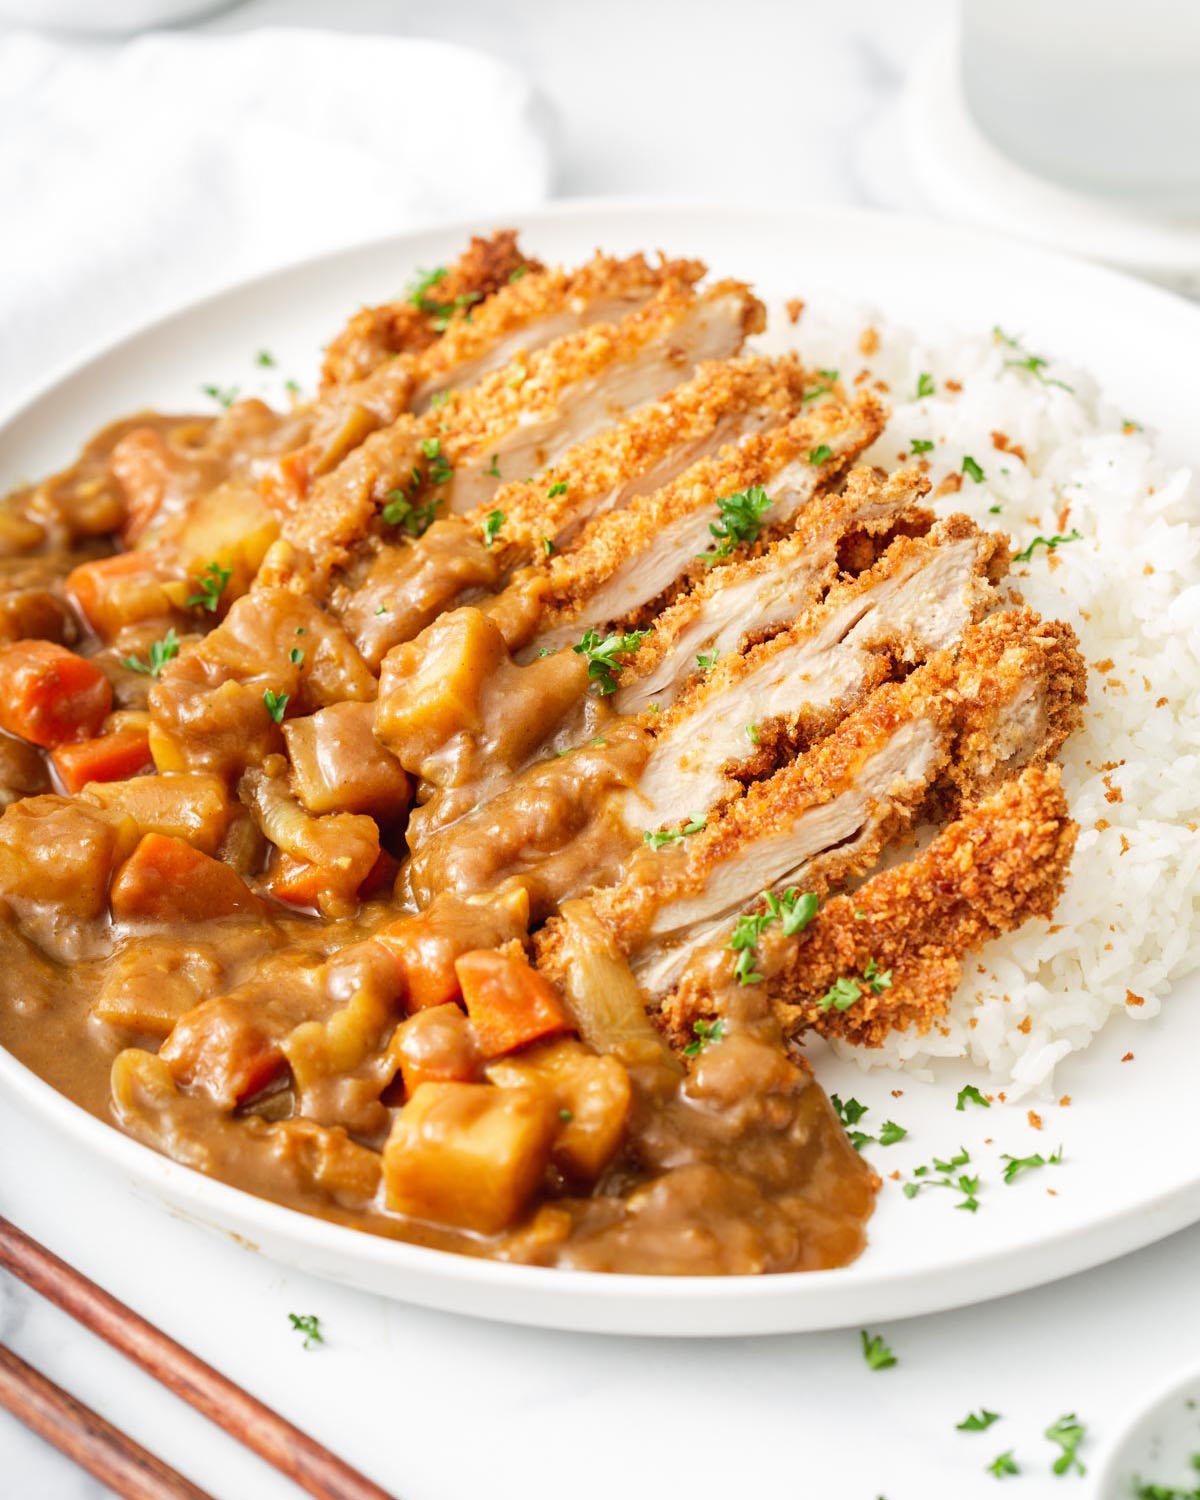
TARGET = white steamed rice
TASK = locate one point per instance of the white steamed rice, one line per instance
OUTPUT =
(1128, 925)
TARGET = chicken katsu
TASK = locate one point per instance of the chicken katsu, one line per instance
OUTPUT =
(448, 807)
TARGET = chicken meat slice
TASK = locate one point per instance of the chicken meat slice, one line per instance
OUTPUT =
(525, 416)
(757, 597)
(1003, 861)
(626, 561)
(917, 599)
(829, 814)
(405, 585)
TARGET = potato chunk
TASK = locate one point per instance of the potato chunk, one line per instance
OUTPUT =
(61, 854)
(591, 1096)
(430, 688)
(339, 766)
(191, 805)
(468, 1155)
(150, 983)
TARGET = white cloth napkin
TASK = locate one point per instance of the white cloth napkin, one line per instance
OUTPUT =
(138, 176)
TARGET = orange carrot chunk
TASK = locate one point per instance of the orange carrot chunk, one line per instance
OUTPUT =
(49, 696)
(509, 1003)
(111, 757)
(166, 880)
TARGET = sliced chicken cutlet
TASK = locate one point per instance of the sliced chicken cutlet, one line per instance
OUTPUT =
(752, 599)
(624, 563)
(406, 584)
(917, 599)
(527, 414)
(1003, 861)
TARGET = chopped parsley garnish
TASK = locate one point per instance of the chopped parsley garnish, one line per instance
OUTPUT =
(440, 471)
(556, 489)
(382, 610)
(491, 527)
(740, 521)
(494, 468)
(292, 387)
(658, 839)
(827, 374)
(440, 312)
(841, 994)
(972, 469)
(225, 396)
(565, 1116)
(1068, 1432)
(310, 1326)
(877, 1354)
(707, 663)
(518, 377)
(705, 1033)
(970, 1094)
(816, 392)
(966, 1185)
(296, 656)
(793, 910)
(276, 704)
(1049, 542)
(209, 587)
(980, 1423)
(547, 545)
(890, 1133)
(820, 454)
(925, 385)
(601, 653)
(1018, 1164)
(1033, 363)
(517, 272)
(400, 511)
(1003, 1464)
(161, 652)
(879, 979)
(439, 398)
(752, 733)
(921, 445)
(849, 1114)
(265, 358)
(994, 510)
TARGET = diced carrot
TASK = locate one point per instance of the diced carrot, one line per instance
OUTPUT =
(427, 958)
(48, 695)
(510, 1003)
(113, 592)
(110, 757)
(166, 880)
(298, 882)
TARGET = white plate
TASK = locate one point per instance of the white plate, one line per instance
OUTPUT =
(1132, 1173)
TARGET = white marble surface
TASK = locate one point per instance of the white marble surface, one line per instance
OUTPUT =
(746, 101)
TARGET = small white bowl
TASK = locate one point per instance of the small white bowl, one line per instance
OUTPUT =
(1158, 1446)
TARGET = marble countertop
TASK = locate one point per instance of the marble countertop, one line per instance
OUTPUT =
(708, 99)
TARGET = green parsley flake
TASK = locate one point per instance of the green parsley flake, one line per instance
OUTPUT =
(601, 653)
(841, 994)
(1003, 1464)
(1033, 364)
(1018, 1164)
(491, 527)
(161, 652)
(820, 454)
(658, 839)
(970, 1094)
(890, 1133)
(972, 469)
(292, 387)
(547, 545)
(879, 979)
(276, 704)
(1068, 1432)
(980, 1423)
(565, 1116)
(222, 396)
(518, 377)
(296, 656)
(1049, 542)
(921, 445)
(556, 489)
(440, 471)
(265, 358)
(209, 587)
(849, 1114)
(752, 733)
(517, 272)
(707, 663)
(400, 511)
(793, 910)
(740, 521)
(966, 1185)
(494, 468)
(309, 1326)
(877, 1354)
(994, 510)
(705, 1033)
(925, 385)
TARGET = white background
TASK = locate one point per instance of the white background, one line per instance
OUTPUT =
(751, 101)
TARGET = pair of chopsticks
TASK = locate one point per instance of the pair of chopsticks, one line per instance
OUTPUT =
(108, 1453)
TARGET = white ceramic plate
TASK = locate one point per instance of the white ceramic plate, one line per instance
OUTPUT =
(1132, 1173)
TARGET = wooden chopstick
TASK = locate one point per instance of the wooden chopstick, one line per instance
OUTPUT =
(83, 1435)
(313, 1467)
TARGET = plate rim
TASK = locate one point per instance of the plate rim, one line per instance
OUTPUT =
(579, 1300)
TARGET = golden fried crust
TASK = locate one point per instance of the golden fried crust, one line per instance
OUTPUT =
(608, 542)
(342, 505)
(1004, 861)
(376, 334)
(594, 469)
